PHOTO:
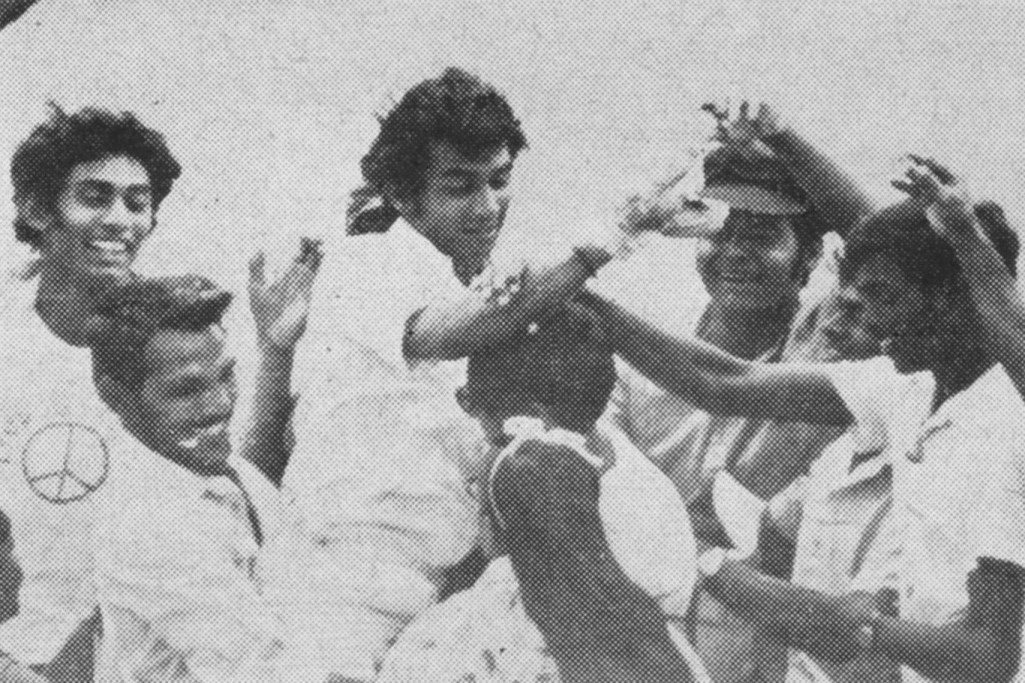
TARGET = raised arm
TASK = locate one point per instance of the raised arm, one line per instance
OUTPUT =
(839, 200)
(717, 382)
(491, 311)
(994, 290)
(280, 311)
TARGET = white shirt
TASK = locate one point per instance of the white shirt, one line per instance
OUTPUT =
(377, 471)
(55, 430)
(956, 493)
(180, 579)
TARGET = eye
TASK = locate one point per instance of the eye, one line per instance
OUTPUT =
(501, 181)
(93, 196)
(138, 202)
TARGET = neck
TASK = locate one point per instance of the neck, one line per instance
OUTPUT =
(746, 333)
(66, 307)
(959, 373)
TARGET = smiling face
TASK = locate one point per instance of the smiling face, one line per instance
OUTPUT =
(99, 220)
(877, 303)
(462, 205)
(752, 263)
(183, 408)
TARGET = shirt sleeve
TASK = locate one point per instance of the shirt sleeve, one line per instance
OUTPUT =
(888, 407)
(172, 614)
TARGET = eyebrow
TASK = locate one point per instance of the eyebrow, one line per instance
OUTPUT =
(462, 173)
(107, 185)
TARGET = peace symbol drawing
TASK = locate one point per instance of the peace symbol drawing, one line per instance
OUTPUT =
(65, 461)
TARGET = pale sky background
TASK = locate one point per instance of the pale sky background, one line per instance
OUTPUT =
(268, 104)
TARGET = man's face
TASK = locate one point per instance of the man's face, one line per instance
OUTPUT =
(752, 262)
(10, 577)
(877, 303)
(100, 219)
(186, 401)
(462, 206)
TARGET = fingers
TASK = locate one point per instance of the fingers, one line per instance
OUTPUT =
(941, 172)
(256, 275)
(310, 252)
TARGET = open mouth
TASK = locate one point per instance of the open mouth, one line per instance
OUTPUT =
(110, 250)
(199, 435)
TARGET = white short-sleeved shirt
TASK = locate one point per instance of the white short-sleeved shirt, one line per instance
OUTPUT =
(382, 446)
(58, 442)
(180, 578)
(955, 480)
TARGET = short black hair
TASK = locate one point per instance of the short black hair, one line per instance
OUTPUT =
(563, 362)
(41, 164)
(902, 231)
(762, 168)
(135, 312)
(456, 107)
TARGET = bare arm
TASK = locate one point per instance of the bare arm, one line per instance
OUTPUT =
(280, 311)
(994, 291)
(455, 329)
(839, 200)
(717, 382)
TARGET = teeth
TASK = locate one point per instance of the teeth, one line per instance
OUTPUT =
(197, 436)
(109, 245)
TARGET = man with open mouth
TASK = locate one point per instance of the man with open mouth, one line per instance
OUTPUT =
(181, 540)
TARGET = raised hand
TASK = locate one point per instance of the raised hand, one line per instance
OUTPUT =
(751, 122)
(945, 200)
(280, 308)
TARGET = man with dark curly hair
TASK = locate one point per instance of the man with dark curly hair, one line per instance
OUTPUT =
(86, 186)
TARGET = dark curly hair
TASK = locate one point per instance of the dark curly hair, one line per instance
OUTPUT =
(565, 364)
(41, 164)
(136, 311)
(458, 108)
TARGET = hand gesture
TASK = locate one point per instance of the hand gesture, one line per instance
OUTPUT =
(280, 308)
(673, 206)
(941, 195)
(751, 123)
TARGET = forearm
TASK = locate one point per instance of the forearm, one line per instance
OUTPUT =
(944, 653)
(450, 330)
(793, 612)
(264, 443)
(688, 367)
(999, 304)
(837, 197)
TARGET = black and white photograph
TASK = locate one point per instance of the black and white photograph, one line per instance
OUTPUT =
(512, 341)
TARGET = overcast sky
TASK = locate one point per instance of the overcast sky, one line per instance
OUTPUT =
(268, 104)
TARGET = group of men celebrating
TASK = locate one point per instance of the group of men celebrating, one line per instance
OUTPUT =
(459, 470)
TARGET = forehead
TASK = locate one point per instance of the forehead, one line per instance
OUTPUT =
(176, 352)
(877, 268)
(445, 159)
(119, 171)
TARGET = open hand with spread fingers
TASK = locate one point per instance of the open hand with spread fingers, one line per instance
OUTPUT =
(944, 198)
(750, 122)
(281, 307)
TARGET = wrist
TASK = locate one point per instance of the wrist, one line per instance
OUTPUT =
(275, 356)
(592, 256)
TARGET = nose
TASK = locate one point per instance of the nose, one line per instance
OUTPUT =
(119, 216)
(487, 201)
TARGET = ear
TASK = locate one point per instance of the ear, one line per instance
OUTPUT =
(34, 213)
(114, 394)
(464, 400)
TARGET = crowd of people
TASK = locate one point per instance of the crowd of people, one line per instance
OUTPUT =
(456, 469)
